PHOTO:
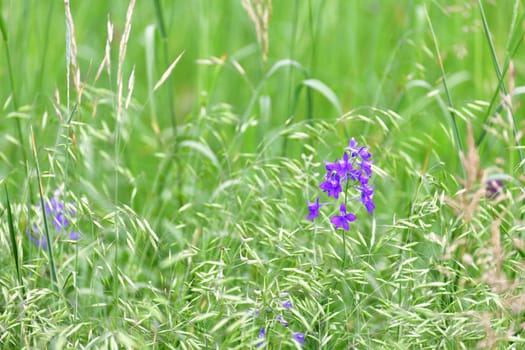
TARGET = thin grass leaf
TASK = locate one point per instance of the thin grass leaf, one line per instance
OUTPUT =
(274, 69)
(499, 74)
(445, 85)
(54, 279)
(14, 245)
(324, 90)
(202, 149)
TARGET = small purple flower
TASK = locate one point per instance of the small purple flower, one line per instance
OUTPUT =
(262, 334)
(369, 204)
(287, 304)
(313, 210)
(494, 188)
(59, 215)
(253, 312)
(38, 239)
(362, 152)
(74, 236)
(343, 220)
(332, 185)
(367, 194)
(60, 221)
(54, 206)
(366, 167)
(352, 146)
(299, 337)
(341, 167)
(59, 211)
(282, 321)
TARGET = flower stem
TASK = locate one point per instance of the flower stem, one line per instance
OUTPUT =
(347, 185)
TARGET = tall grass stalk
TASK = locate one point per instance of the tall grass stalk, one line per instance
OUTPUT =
(119, 115)
(451, 111)
(173, 158)
(499, 75)
(54, 278)
(14, 242)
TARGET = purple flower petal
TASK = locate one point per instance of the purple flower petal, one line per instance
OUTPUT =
(262, 334)
(313, 210)
(343, 220)
(332, 186)
(74, 236)
(39, 240)
(282, 321)
(299, 337)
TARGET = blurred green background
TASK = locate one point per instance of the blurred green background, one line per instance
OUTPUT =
(366, 51)
(370, 53)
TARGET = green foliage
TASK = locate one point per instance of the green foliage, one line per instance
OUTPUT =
(190, 188)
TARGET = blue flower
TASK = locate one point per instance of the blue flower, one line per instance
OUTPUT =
(38, 239)
(313, 210)
(343, 220)
(59, 214)
(341, 167)
(282, 321)
(299, 337)
(253, 312)
(74, 236)
(332, 185)
(494, 187)
(262, 334)
(288, 304)
(366, 198)
(362, 152)
(56, 209)
(353, 172)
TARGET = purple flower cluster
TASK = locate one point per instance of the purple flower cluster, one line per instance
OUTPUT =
(353, 172)
(298, 337)
(59, 214)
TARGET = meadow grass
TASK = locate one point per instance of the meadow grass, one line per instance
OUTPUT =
(157, 159)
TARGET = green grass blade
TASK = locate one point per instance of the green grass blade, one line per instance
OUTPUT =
(163, 34)
(160, 19)
(445, 85)
(486, 120)
(324, 90)
(159, 14)
(499, 74)
(12, 236)
(10, 71)
(44, 215)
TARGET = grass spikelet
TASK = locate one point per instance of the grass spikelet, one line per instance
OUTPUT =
(168, 71)
(259, 12)
(72, 68)
(121, 57)
(106, 61)
(445, 86)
